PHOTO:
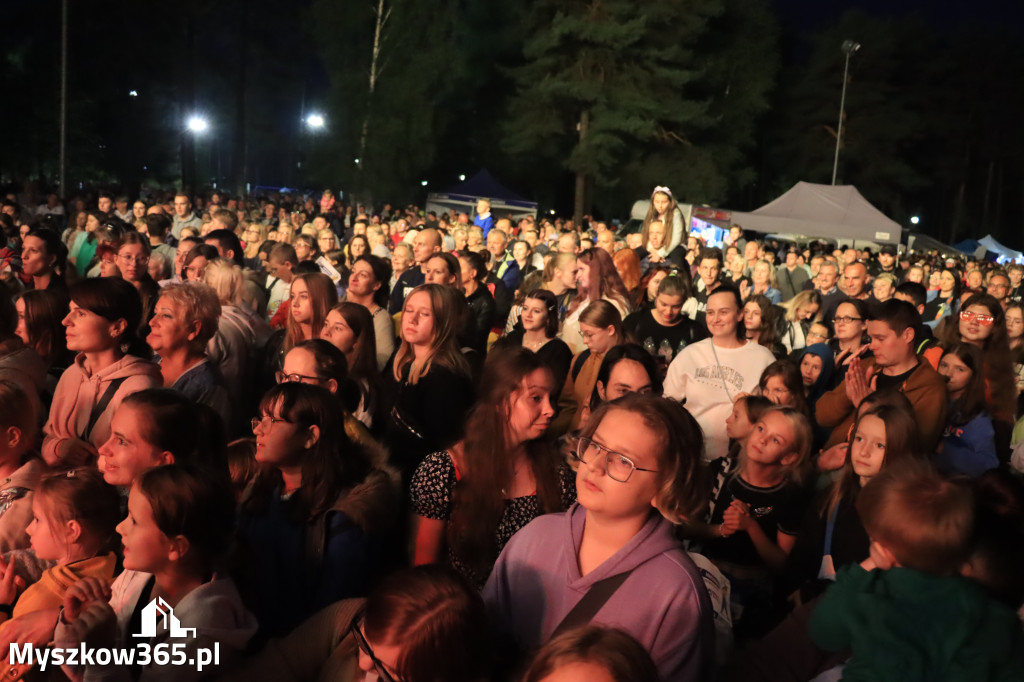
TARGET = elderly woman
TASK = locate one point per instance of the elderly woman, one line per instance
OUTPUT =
(184, 321)
(241, 336)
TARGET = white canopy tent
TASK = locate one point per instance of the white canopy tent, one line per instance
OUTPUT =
(1003, 253)
(811, 211)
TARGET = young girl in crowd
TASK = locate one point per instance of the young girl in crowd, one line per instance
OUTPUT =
(20, 469)
(638, 470)
(664, 209)
(539, 334)
(761, 320)
(626, 368)
(782, 383)
(597, 280)
(592, 653)
(431, 386)
(367, 286)
(968, 443)
(312, 296)
(469, 500)
(179, 523)
(73, 518)
(101, 328)
(754, 517)
(40, 313)
(832, 535)
(159, 426)
(746, 411)
(319, 508)
(349, 328)
(600, 328)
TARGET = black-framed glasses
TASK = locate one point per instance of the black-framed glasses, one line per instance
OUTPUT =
(357, 631)
(618, 466)
(295, 378)
(265, 421)
(846, 319)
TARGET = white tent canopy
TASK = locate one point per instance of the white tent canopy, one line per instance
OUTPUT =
(1004, 253)
(837, 212)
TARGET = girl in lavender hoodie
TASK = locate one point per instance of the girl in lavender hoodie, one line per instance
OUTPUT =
(638, 468)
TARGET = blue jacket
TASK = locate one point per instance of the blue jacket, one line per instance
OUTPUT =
(968, 449)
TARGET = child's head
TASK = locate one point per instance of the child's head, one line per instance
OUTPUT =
(637, 452)
(178, 516)
(159, 426)
(746, 410)
(782, 384)
(592, 653)
(997, 556)
(74, 513)
(18, 422)
(881, 436)
(626, 368)
(242, 465)
(917, 519)
(781, 438)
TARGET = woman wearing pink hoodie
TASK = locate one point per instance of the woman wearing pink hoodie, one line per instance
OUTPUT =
(101, 327)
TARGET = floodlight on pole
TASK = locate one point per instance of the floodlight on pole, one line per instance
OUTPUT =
(315, 121)
(849, 47)
(198, 124)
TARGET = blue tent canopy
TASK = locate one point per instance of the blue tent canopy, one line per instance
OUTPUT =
(483, 185)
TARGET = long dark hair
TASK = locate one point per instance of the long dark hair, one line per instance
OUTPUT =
(44, 313)
(165, 410)
(792, 379)
(550, 302)
(382, 273)
(625, 351)
(478, 506)
(972, 401)
(604, 280)
(333, 464)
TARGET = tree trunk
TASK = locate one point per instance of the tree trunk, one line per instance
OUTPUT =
(239, 146)
(378, 35)
(579, 201)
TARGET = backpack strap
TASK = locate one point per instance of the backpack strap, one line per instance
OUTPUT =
(587, 607)
(101, 405)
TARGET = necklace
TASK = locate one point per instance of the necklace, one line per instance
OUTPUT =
(536, 344)
(515, 474)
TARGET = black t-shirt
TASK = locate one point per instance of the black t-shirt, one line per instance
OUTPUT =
(664, 343)
(776, 509)
(885, 381)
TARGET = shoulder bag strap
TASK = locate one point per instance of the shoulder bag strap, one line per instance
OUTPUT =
(587, 607)
(101, 405)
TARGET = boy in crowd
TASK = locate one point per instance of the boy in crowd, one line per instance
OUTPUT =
(904, 612)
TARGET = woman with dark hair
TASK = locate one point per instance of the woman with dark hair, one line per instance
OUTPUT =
(40, 315)
(198, 257)
(626, 368)
(597, 279)
(850, 339)
(761, 319)
(539, 334)
(430, 379)
(101, 327)
(133, 262)
(947, 299)
(710, 374)
(317, 508)
(471, 498)
(44, 259)
(782, 383)
(83, 249)
(968, 443)
(349, 328)
(357, 247)
(367, 286)
(481, 302)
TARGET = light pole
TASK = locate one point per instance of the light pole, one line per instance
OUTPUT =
(849, 47)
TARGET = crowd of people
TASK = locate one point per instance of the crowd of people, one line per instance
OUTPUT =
(376, 443)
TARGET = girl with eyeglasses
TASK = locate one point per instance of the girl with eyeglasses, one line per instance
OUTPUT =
(320, 507)
(471, 498)
(420, 624)
(982, 324)
(638, 471)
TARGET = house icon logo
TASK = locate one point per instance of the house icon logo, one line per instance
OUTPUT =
(159, 610)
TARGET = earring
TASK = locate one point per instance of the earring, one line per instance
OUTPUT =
(124, 348)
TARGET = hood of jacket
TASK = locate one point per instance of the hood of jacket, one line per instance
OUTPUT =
(824, 379)
(655, 538)
(128, 366)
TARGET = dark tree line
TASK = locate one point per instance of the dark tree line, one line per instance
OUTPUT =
(584, 105)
